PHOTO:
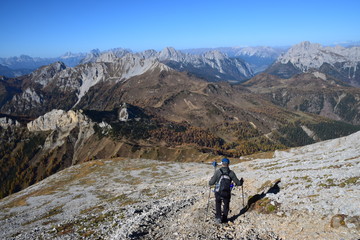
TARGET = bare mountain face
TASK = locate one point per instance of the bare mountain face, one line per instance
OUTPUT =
(56, 86)
(339, 62)
(312, 92)
(212, 66)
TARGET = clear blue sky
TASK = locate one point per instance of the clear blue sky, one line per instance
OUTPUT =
(51, 28)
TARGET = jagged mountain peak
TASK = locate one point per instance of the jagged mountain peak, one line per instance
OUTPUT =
(44, 74)
(260, 51)
(148, 53)
(339, 62)
(170, 53)
(215, 54)
(307, 55)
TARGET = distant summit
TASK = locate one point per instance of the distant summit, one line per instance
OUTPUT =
(340, 62)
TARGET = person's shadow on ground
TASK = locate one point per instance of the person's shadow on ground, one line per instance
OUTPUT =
(274, 189)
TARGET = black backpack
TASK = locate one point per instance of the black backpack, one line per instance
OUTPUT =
(224, 188)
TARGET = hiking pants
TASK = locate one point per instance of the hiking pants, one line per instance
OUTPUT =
(218, 200)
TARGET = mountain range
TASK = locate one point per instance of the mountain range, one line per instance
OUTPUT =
(339, 62)
(170, 105)
(258, 57)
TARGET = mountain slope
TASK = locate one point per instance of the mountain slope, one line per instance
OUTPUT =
(144, 199)
(56, 86)
(312, 92)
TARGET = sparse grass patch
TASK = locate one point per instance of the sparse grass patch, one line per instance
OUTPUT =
(78, 196)
(123, 200)
(349, 181)
(266, 206)
(305, 178)
(19, 202)
(52, 212)
(270, 165)
(98, 208)
(348, 159)
(128, 179)
(87, 233)
(314, 195)
(332, 167)
(146, 192)
(49, 222)
(65, 228)
(87, 181)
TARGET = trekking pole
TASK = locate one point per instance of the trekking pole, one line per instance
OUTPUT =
(207, 208)
(242, 189)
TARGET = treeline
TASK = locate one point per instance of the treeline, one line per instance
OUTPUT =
(17, 148)
(187, 135)
(333, 129)
(22, 161)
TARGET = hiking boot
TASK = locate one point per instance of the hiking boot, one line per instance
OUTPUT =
(217, 220)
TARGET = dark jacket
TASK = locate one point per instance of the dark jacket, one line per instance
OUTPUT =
(215, 179)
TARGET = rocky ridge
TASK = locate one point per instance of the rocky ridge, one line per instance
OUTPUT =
(303, 193)
(222, 67)
(56, 86)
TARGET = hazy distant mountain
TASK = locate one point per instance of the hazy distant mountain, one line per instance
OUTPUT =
(339, 62)
(8, 72)
(212, 66)
(25, 64)
(259, 57)
(106, 56)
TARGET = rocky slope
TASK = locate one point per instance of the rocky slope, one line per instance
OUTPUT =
(56, 86)
(339, 62)
(312, 92)
(303, 193)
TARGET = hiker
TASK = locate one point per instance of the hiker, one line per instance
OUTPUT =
(223, 177)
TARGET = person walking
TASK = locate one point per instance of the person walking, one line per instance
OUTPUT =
(222, 179)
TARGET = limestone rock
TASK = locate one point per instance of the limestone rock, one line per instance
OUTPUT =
(338, 221)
